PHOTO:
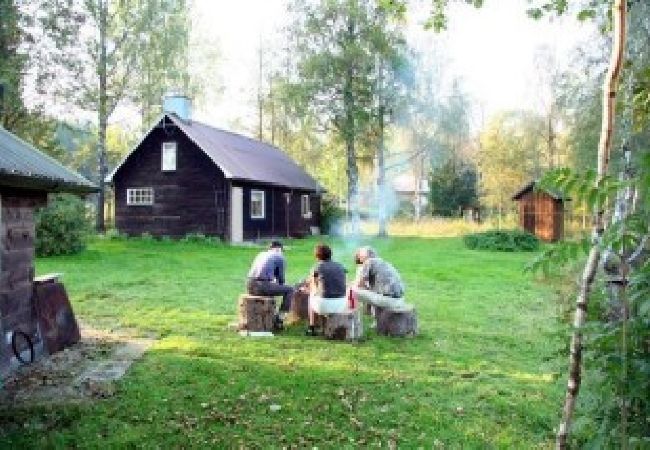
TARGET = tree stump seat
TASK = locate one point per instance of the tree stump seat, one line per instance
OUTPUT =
(256, 313)
(299, 310)
(397, 322)
(345, 326)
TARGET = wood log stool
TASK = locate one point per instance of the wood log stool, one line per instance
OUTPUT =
(256, 313)
(299, 310)
(397, 322)
(346, 326)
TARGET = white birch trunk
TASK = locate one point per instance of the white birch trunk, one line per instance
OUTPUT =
(619, 17)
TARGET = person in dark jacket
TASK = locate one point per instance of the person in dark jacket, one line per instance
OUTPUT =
(266, 278)
(327, 290)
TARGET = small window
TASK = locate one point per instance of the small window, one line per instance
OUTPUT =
(257, 205)
(305, 207)
(139, 197)
(168, 156)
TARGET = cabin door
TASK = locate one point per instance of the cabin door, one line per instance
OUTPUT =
(237, 214)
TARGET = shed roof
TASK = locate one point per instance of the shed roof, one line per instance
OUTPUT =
(240, 157)
(531, 186)
(23, 166)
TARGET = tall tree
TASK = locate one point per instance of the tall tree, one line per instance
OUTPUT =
(27, 30)
(128, 58)
(339, 44)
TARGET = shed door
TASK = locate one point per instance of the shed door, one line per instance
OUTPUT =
(237, 214)
(529, 216)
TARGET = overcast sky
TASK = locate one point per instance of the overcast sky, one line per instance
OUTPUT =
(491, 49)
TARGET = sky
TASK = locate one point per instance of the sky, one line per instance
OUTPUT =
(490, 49)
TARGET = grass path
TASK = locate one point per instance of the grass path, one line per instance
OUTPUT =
(480, 374)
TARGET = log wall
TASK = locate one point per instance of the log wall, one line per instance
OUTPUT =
(17, 236)
(194, 198)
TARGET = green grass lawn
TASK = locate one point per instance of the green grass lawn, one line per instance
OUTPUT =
(481, 373)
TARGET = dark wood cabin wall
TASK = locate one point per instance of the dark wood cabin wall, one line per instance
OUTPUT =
(17, 236)
(192, 199)
(276, 208)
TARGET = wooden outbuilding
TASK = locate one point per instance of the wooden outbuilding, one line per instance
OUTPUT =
(188, 177)
(541, 212)
(26, 177)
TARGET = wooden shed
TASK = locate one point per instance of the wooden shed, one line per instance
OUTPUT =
(188, 177)
(26, 177)
(541, 212)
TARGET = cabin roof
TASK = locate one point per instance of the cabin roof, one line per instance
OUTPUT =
(529, 187)
(239, 157)
(23, 166)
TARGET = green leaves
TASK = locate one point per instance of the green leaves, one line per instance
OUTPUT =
(580, 187)
(557, 256)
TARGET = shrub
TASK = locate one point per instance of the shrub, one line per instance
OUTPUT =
(114, 235)
(146, 237)
(331, 213)
(200, 238)
(62, 227)
(502, 240)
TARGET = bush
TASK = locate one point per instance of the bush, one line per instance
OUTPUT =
(200, 238)
(62, 227)
(331, 213)
(114, 235)
(503, 241)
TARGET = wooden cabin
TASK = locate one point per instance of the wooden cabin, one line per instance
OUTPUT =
(541, 212)
(26, 177)
(188, 177)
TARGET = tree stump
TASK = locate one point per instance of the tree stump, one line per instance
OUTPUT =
(299, 307)
(345, 326)
(397, 322)
(256, 313)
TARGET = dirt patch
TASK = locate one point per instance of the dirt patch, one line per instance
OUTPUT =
(84, 371)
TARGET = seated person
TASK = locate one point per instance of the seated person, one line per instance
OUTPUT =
(378, 282)
(266, 278)
(326, 286)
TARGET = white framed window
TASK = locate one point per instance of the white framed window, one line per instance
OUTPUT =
(305, 207)
(168, 156)
(139, 196)
(257, 205)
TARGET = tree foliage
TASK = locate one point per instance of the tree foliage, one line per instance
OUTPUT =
(345, 52)
(452, 188)
(62, 226)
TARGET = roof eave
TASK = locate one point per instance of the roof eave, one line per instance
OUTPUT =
(23, 181)
(318, 189)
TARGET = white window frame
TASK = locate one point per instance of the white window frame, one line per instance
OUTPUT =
(305, 206)
(165, 162)
(139, 196)
(261, 199)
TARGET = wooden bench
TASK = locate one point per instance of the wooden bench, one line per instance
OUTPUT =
(256, 313)
(399, 322)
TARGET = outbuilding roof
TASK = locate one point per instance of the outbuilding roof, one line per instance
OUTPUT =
(240, 157)
(531, 186)
(23, 166)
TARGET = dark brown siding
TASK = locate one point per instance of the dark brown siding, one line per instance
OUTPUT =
(281, 219)
(17, 236)
(192, 199)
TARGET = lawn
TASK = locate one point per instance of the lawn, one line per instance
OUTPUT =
(482, 372)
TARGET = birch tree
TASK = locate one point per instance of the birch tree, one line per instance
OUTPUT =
(119, 60)
(339, 44)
